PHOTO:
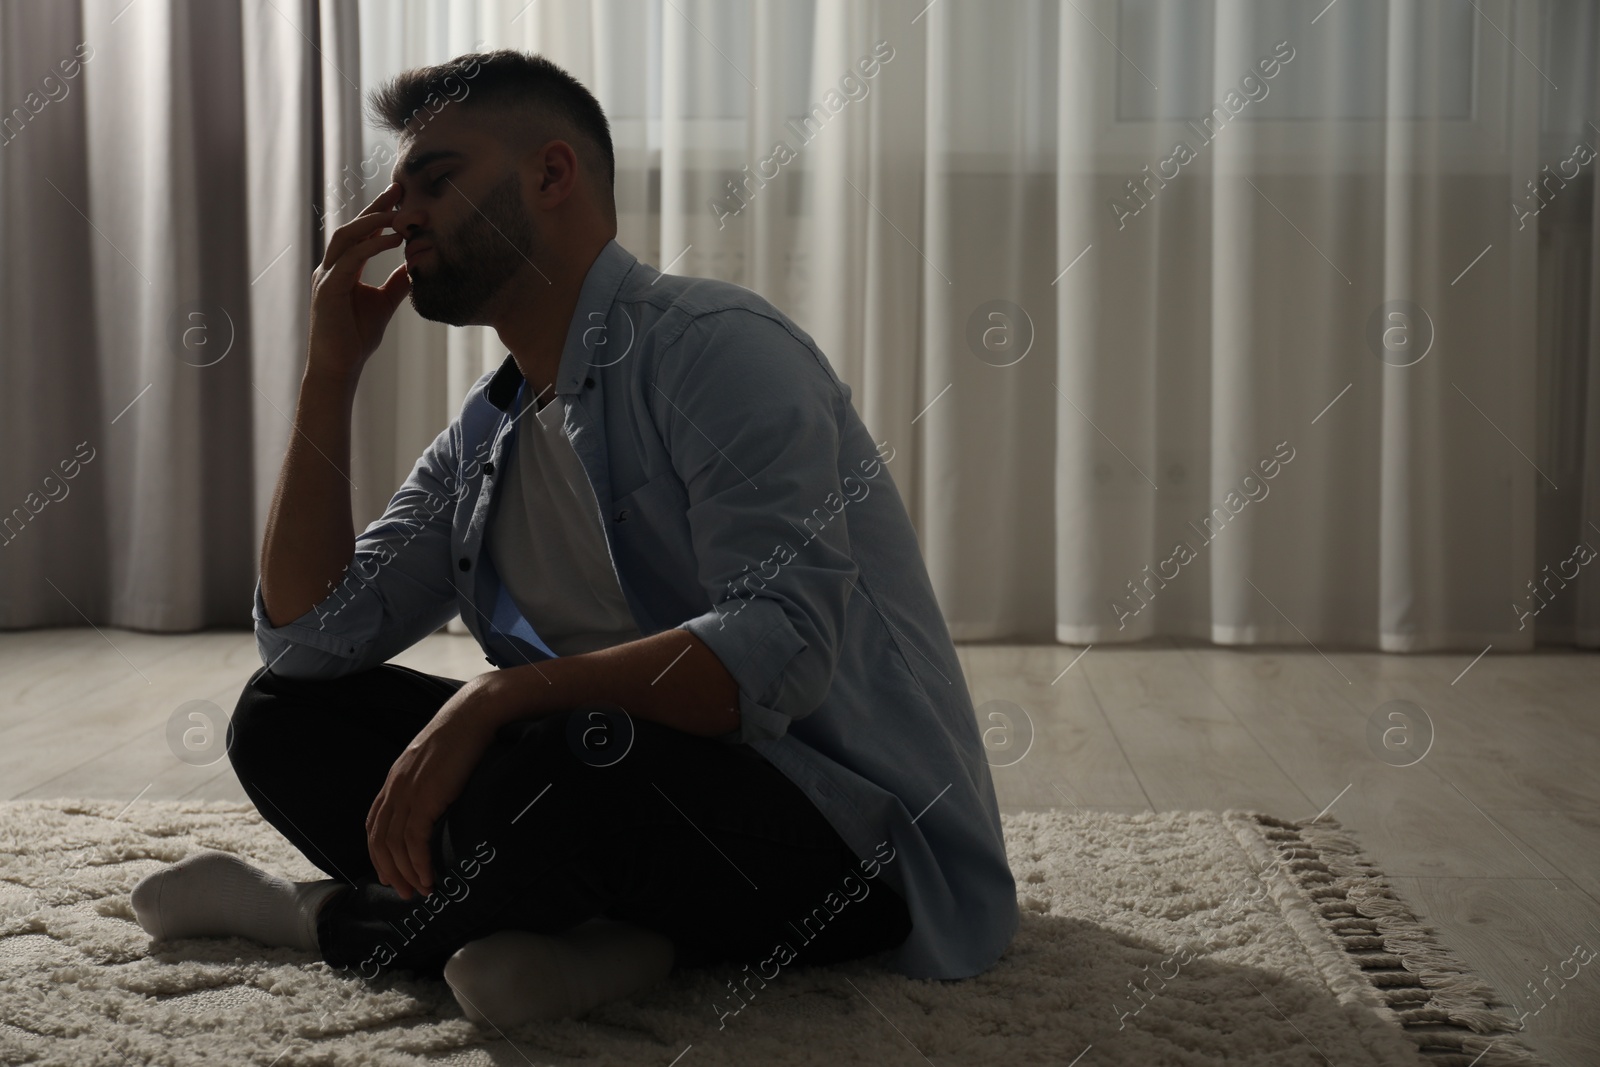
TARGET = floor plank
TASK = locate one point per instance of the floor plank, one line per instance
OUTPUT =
(89, 732)
(1183, 742)
(1411, 819)
(1552, 835)
(1040, 719)
(73, 667)
(1514, 934)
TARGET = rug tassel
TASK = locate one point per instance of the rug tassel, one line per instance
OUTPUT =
(1344, 910)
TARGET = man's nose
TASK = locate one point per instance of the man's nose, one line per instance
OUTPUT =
(408, 215)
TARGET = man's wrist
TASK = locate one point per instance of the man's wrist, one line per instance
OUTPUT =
(505, 696)
(330, 382)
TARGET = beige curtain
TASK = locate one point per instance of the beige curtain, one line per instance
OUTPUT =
(156, 242)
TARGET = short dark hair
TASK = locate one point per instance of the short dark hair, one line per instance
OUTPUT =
(502, 78)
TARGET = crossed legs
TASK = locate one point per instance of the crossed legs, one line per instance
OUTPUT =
(663, 847)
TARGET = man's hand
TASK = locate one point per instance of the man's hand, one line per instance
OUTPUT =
(348, 317)
(429, 775)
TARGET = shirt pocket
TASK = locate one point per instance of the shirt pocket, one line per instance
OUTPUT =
(654, 552)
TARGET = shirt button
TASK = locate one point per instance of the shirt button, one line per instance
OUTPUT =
(465, 564)
(488, 468)
(588, 383)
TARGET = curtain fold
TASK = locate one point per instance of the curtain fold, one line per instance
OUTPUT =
(177, 187)
(1164, 343)
(1273, 254)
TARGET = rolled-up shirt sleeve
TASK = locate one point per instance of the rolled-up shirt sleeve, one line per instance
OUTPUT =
(751, 417)
(397, 589)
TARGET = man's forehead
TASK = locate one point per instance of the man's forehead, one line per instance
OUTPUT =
(453, 133)
(456, 134)
(418, 156)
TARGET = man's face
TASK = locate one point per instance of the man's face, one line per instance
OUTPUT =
(467, 232)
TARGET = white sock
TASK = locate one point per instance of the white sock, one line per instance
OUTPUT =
(514, 976)
(217, 894)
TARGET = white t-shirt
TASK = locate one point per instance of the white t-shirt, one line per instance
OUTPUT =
(546, 540)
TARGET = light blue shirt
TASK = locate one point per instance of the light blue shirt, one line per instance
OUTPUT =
(743, 501)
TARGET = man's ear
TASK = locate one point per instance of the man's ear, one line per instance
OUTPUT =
(555, 164)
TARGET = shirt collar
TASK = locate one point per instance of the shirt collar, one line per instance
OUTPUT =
(579, 358)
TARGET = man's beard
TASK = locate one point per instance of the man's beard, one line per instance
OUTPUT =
(482, 255)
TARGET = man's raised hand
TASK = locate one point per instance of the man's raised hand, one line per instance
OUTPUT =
(348, 317)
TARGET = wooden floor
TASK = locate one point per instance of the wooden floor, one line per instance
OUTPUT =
(1493, 835)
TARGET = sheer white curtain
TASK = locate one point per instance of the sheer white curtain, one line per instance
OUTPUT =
(1325, 373)
(1087, 383)
(1346, 237)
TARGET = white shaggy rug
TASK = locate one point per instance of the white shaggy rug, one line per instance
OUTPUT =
(1190, 938)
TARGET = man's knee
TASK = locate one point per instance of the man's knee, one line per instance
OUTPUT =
(262, 723)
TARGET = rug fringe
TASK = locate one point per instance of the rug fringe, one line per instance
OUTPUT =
(1373, 949)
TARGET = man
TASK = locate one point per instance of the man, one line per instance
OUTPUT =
(728, 722)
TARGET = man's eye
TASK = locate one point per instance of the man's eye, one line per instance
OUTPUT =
(437, 184)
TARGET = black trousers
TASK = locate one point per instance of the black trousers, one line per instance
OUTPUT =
(568, 817)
